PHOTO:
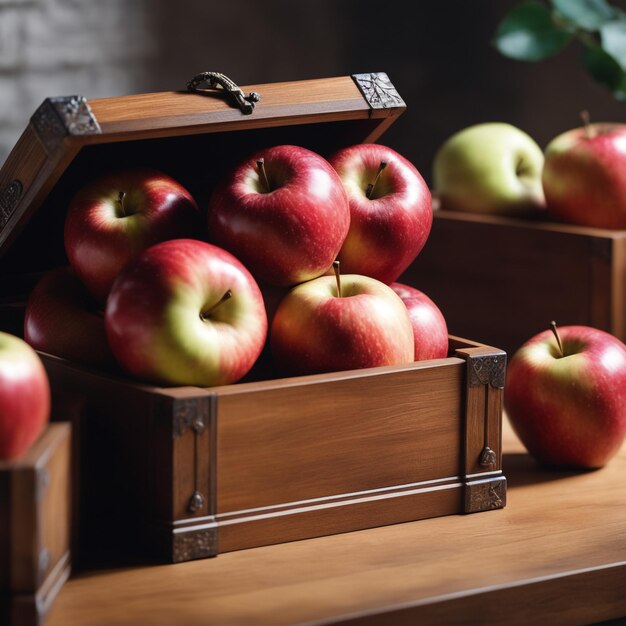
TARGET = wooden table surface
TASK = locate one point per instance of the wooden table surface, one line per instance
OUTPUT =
(556, 554)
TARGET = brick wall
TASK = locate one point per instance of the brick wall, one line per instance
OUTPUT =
(94, 48)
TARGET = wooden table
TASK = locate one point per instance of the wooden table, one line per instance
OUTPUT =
(555, 555)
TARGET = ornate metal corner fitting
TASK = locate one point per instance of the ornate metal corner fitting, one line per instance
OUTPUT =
(208, 82)
(194, 544)
(378, 90)
(58, 118)
(192, 414)
(9, 199)
(485, 495)
(487, 370)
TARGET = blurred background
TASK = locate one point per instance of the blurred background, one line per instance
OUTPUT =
(439, 55)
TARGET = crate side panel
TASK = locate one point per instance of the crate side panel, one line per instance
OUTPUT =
(55, 504)
(501, 284)
(339, 437)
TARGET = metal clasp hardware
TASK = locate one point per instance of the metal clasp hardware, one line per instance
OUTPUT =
(205, 82)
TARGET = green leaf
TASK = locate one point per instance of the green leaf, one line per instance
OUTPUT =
(605, 69)
(613, 37)
(528, 33)
(588, 14)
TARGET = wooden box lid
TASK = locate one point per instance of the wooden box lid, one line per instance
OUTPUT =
(187, 134)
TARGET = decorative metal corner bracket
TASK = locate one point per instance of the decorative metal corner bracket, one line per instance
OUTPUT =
(485, 495)
(209, 82)
(378, 90)
(9, 199)
(58, 118)
(487, 370)
(194, 544)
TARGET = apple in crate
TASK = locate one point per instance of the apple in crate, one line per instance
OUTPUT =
(489, 168)
(340, 323)
(24, 396)
(62, 319)
(283, 212)
(565, 396)
(186, 312)
(584, 177)
(430, 331)
(115, 217)
(390, 211)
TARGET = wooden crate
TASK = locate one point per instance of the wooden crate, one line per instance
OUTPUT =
(502, 280)
(35, 528)
(191, 472)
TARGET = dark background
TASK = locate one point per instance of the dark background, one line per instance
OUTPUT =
(439, 55)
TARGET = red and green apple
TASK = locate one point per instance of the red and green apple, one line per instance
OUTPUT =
(24, 396)
(283, 212)
(186, 312)
(330, 324)
(565, 396)
(390, 211)
(112, 219)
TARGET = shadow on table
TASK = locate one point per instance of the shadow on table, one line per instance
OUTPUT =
(521, 469)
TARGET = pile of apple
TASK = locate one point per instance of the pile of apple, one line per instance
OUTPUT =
(179, 296)
(566, 390)
(496, 168)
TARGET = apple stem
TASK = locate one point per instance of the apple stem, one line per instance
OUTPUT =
(120, 200)
(370, 188)
(584, 116)
(204, 315)
(261, 165)
(558, 339)
(337, 277)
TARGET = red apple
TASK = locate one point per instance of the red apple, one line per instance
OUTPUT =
(283, 212)
(114, 218)
(430, 330)
(186, 313)
(568, 405)
(390, 211)
(62, 319)
(318, 328)
(584, 176)
(24, 396)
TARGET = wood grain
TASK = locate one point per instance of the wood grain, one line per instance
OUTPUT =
(514, 276)
(556, 554)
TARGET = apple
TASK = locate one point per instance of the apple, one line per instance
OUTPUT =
(566, 396)
(115, 217)
(430, 331)
(24, 396)
(62, 319)
(584, 177)
(489, 168)
(329, 324)
(186, 312)
(283, 212)
(390, 211)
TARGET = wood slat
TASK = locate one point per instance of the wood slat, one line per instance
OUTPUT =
(556, 554)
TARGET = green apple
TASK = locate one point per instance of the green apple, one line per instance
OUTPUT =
(489, 168)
